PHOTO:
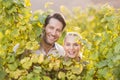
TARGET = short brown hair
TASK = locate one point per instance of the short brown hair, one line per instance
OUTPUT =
(57, 16)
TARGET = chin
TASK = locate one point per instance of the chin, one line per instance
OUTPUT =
(72, 56)
(49, 42)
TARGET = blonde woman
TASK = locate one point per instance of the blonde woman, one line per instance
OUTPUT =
(72, 46)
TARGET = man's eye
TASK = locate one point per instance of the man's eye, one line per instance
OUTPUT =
(51, 27)
(59, 30)
(67, 44)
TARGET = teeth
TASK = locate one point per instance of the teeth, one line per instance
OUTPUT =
(51, 37)
(71, 53)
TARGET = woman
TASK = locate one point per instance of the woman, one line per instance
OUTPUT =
(73, 46)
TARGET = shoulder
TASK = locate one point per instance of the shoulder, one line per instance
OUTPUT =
(60, 49)
(58, 46)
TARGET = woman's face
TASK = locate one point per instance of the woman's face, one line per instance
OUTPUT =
(71, 46)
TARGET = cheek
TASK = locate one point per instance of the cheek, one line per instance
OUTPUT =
(77, 48)
(66, 48)
(58, 34)
(48, 30)
(45, 32)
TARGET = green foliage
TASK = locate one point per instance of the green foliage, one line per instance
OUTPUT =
(40, 67)
(16, 35)
(101, 29)
(14, 26)
(20, 30)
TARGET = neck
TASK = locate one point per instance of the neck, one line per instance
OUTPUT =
(46, 46)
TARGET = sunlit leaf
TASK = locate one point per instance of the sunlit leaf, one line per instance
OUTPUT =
(1, 35)
(77, 69)
(61, 75)
(13, 66)
(41, 58)
(46, 78)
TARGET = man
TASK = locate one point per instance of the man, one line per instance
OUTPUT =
(52, 30)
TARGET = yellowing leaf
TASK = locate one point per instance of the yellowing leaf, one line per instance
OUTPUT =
(17, 73)
(27, 2)
(7, 32)
(37, 69)
(40, 25)
(32, 45)
(51, 65)
(26, 62)
(41, 58)
(46, 78)
(56, 64)
(77, 69)
(13, 66)
(34, 58)
(61, 75)
(1, 35)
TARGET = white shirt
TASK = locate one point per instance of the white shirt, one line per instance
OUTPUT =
(56, 50)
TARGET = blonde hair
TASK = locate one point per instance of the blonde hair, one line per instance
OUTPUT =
(79, 38)
(73, 34)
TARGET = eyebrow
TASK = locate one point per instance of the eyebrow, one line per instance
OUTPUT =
(72, 34)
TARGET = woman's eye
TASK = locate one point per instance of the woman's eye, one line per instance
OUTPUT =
(75, 44)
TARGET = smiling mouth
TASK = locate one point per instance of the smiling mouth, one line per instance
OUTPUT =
(71, 53)
(51, 37)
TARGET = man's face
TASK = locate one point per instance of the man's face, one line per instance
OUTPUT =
(53, 31)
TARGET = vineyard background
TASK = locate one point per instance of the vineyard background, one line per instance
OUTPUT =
(20, 30)
(55, 4)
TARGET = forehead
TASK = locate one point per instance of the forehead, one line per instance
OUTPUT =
(71, 38)
(55, 22)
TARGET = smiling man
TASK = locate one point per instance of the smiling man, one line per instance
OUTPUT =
(52, 30)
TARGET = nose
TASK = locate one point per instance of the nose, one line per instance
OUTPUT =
(71, 47)
(53, 32)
